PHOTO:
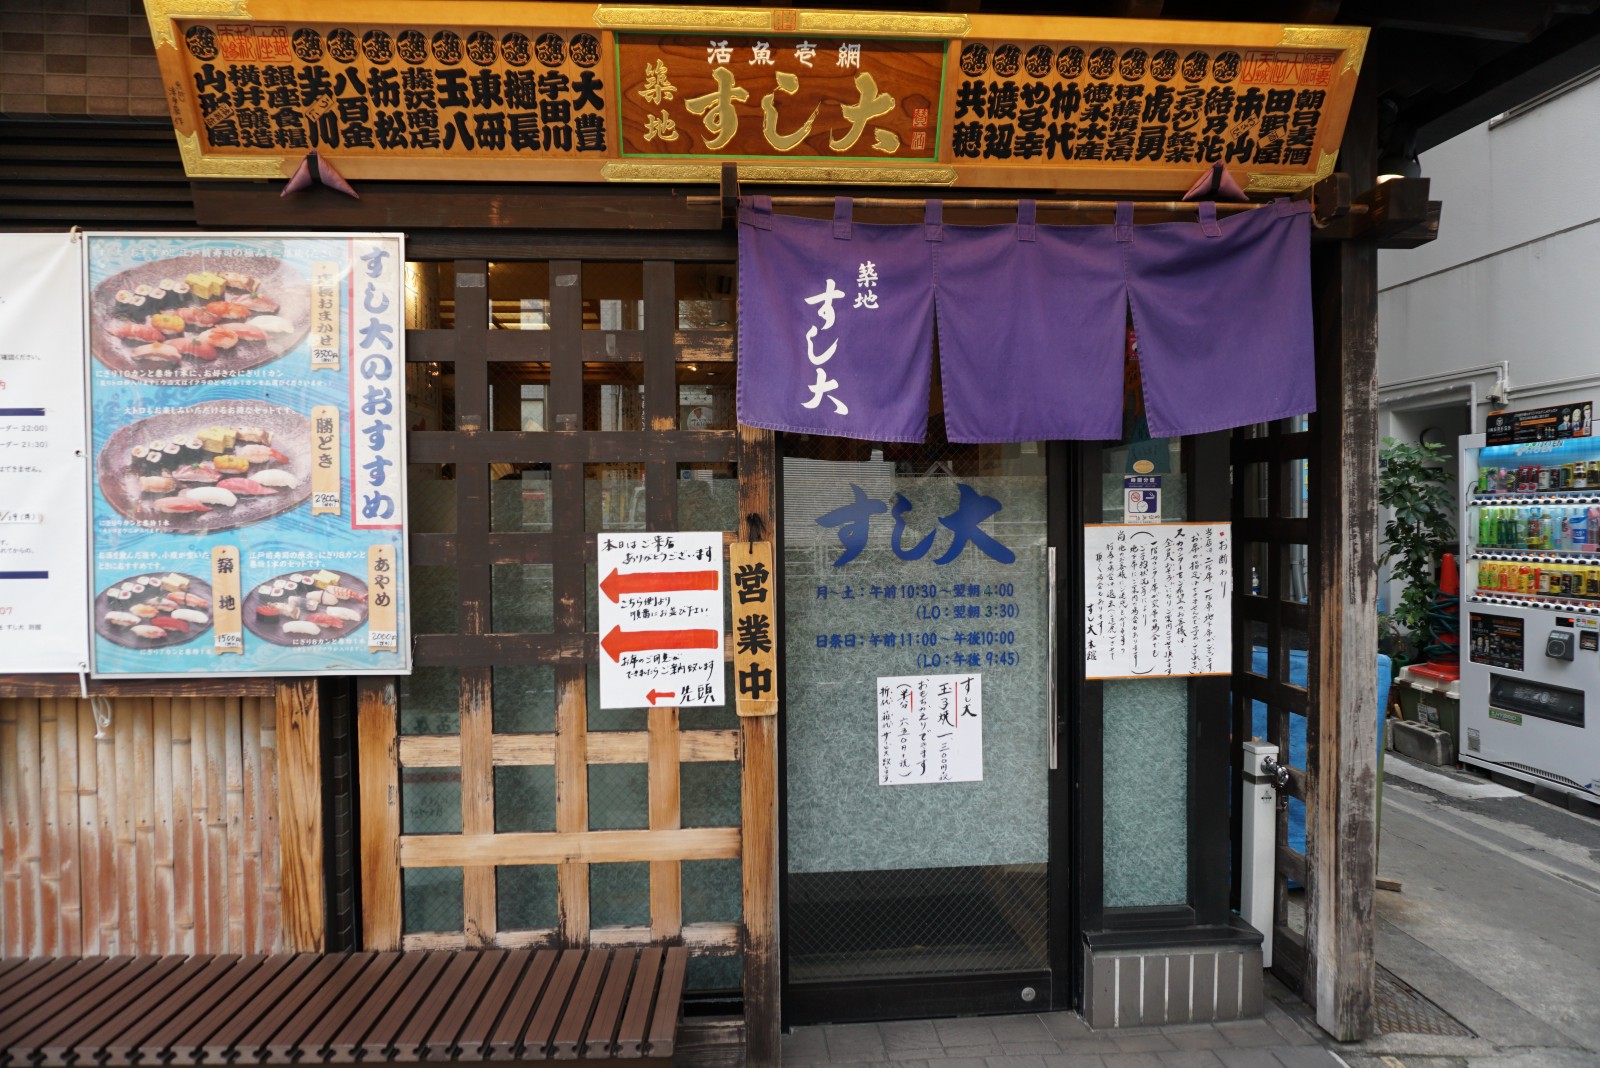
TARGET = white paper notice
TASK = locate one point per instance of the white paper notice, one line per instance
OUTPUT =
(930, 729)
(661, 619)
(1156, 600)
(43, 513)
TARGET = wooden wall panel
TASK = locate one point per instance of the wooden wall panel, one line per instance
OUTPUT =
(157, 835)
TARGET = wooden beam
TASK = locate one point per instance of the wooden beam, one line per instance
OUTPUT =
(303, 889)
(1341, 855)
(188, 686)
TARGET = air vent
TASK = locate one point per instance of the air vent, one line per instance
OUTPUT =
(1552, 776)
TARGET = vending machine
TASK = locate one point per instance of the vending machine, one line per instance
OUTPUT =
(1530, 611)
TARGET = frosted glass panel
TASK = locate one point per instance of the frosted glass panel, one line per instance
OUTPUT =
(1146, 792)
(1146, 724)
(875, 600)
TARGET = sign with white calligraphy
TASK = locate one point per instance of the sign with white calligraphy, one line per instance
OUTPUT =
(1156, 600)
(247, 432)
(583, 92)
(661, 619)
(43, 520)
(930, 729)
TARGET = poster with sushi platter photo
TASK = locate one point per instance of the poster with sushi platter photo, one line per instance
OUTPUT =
(43, 524)
(246, 427)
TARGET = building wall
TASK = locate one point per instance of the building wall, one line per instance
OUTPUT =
(1509, 283)
(77, 57)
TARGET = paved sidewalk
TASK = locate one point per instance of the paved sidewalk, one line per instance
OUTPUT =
(1280, 1039)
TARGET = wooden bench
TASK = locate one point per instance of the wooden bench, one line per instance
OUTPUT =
(443, 1005)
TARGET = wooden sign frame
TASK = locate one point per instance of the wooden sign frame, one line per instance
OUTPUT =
(1114, 105)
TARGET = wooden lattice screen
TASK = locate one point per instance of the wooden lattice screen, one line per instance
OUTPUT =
(1272, 539)
(549, 395)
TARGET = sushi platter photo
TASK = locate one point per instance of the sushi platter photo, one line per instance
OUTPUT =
(153, 611)
(306, 607)
(175, 322)
(203, 469)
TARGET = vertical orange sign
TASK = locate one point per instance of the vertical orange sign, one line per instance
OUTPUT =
(382, 635)
(325, 279)
(227, 631)
(755, 628)
(325, 496)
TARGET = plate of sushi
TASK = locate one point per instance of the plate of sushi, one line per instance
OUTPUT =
(174, 322)
(203, 469)
(153, 611)
(306, 607)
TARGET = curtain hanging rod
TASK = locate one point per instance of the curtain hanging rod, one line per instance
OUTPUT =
(1176, 207)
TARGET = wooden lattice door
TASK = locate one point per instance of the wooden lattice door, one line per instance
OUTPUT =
(551, 401)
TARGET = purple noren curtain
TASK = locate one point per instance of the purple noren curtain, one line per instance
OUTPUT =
(1031, 327)
(1222, 311)
(836, 323)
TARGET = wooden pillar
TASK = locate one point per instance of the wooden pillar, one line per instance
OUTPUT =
(759, 792)
(300, 816)
(377, 749)
(1341, 846)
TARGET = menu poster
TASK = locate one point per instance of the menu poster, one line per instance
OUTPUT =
(43, 527)
(1156, 600)
(247, 432)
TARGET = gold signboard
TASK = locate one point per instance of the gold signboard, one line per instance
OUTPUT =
(421, 89)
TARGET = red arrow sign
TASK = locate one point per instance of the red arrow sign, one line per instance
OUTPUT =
(615, 585)
(653, 694)
(620, 641)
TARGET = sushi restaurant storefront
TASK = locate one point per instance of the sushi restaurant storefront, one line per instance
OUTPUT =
(996, 457)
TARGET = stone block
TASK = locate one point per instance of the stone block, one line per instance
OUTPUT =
(1424, 742)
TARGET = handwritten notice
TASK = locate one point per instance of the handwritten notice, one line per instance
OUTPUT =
(930, 729)
(661, 619)
(1156, 600)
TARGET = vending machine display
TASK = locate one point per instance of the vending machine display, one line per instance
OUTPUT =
(1530, 673)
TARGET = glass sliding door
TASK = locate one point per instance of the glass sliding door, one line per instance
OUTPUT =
(918, 736)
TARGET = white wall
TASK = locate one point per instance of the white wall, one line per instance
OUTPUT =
(1514, 278)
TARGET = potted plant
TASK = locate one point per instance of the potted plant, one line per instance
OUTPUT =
(1421, 499)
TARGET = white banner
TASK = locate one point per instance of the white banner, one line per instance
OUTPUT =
(43, 514)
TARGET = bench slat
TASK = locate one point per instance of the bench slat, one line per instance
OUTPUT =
(408, 1043)
(473, 1042)
(213, 1036)
(20, 976)
(669, 1003)
(153, 1016)
(575, 1019)
(535, 1045)
(309, 1009)
(65, 984)
(285, 997)
(344, 1046)
(238, 970)
(505, 1038)
(636, 1018)
(377, 1043)
(292, 1034)
(598, 1040)
(440, 1041)
(351, 1009)
(55, 1051)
